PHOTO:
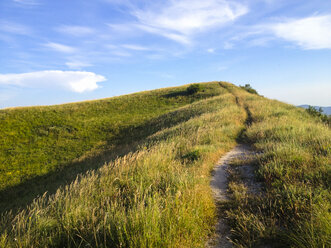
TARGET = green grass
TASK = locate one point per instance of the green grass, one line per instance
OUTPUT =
(154, 197)
(154, 190)
(38, 140)
(295, 166)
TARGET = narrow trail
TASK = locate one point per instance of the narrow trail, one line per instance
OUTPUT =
(219, 181)
(219, 185)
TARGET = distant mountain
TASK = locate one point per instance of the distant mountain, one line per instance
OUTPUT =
(326, 110)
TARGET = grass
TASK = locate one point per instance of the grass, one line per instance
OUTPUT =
(154, 190)
(42, 148)
(294, 210)
(37, 140)
(154, 197)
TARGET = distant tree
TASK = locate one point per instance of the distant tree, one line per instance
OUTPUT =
(193, 88)
(249, 89)
(318, 113)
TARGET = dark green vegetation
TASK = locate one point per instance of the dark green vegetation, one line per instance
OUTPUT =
(160, 147)
(318, 113)
(326, 110)
(249, 89)
(193, 88)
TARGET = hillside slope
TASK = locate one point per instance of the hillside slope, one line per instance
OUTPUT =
(158, 196)
(154, 191)
(44, 147)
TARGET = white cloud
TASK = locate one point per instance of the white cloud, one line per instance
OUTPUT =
(211, 50)
(189, 16)
(76, 81)
(135, 47)
(121, 27)
(180, 38)
(75, 64)
(309, 33)
(181, 20)
(60, 47)
(14, 28)
(120, 50)
(75, 30)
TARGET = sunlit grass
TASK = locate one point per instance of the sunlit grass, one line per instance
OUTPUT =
(156, 193)
(295, 167)
(151, 198)
(38, 140)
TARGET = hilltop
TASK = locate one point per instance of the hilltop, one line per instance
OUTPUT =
(135, 170)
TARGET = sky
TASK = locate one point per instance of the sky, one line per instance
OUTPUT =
(61, 51)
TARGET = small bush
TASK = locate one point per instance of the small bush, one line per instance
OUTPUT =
(193, 88)
(249, 89)
(318, 113)
(192, 156)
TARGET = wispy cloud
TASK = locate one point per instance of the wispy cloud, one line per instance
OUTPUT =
(77, 64)
(60, 47)
(126, 50)
(189, 16)
(120, 53)
(76, 81)
(14, 28)
(27, 2)
(121, 27)
(135, 47)
(117, 50)
(75, 30)
(228, 45)
(181, 20)
(309, 33)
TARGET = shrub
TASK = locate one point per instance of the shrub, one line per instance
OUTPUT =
(193, 88)
(318, 113)
(191, 156)
(249, 89)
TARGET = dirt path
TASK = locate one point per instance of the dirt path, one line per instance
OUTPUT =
(219, 185)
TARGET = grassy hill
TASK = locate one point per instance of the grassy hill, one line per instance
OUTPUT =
(134, 171)
(37, 140)
(42, 148)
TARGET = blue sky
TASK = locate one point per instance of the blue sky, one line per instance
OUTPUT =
(61, 51)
